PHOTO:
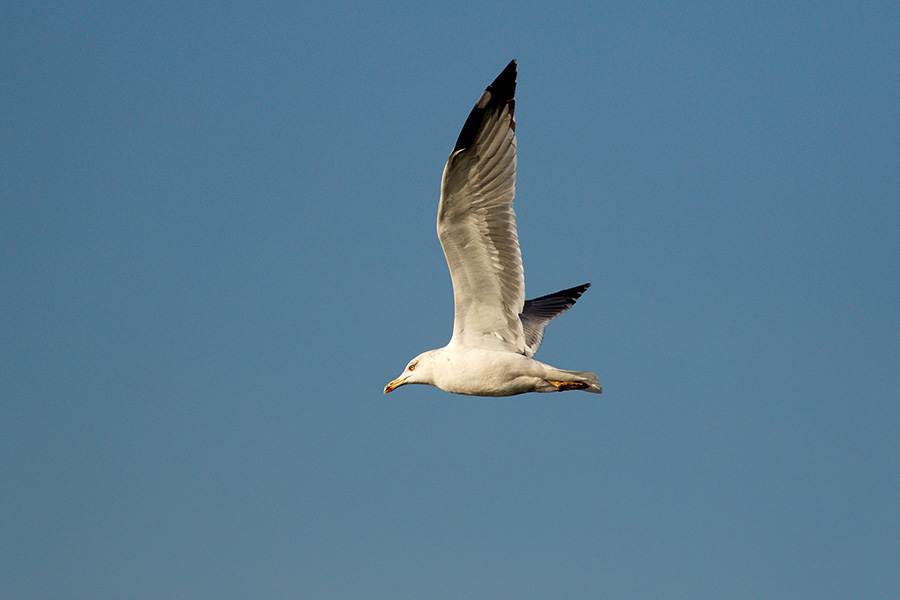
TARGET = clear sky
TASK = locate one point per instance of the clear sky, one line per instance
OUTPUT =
(217, 244)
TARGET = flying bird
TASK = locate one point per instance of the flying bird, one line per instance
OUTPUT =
(495, 330)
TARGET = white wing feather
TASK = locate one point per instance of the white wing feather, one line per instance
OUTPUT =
(477, 227)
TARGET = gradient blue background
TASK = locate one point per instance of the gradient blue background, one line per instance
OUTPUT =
(218, 245)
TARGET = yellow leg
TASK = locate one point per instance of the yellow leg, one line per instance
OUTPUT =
(562, 386)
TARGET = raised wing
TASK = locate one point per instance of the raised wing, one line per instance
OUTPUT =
(477, 226)
(540, 311)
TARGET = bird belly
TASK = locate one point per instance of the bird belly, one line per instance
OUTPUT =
(489, 373)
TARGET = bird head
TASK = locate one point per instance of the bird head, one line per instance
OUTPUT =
(419, 370)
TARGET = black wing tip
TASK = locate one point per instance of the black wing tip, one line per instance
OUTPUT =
(572, 294)
(504, 86)
(501, 91)
(577, 291)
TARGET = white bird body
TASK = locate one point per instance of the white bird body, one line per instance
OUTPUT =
(495, 330)
(490, 372)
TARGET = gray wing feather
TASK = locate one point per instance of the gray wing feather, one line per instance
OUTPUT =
(537, 313)
(476, 223)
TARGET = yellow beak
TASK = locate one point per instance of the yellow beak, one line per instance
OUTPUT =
(394, 385)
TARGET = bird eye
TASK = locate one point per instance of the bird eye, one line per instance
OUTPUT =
(412, 367)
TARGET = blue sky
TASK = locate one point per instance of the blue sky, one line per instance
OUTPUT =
(218, 245)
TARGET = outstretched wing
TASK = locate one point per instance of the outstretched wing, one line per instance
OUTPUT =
(540, 311)
(476, 223)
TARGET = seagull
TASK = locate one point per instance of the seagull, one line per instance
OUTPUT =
(495, 330)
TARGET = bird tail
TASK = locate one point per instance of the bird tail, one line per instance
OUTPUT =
(562, 381)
